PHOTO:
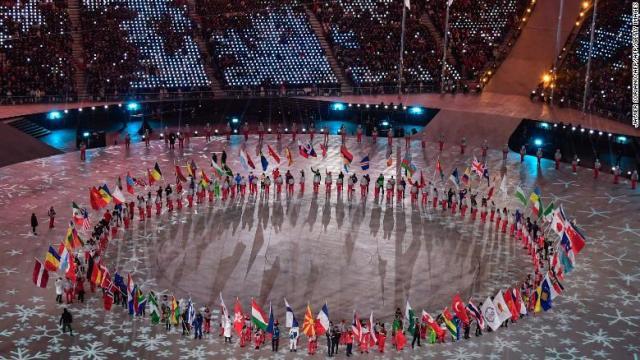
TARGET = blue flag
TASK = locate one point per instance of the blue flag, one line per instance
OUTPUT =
(364, 163)
(265, 163)
(545, 294)
(271, 320)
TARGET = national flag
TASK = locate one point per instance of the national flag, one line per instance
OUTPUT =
(192, 168)
(130, 293)
(511, 304)
(95, 199)
(154, 310)
(310, 150)
(407, 4)
(273, 154)
(141, 301)
(373, 338)
(105, 194)
(78, 213)
(257, 315)
(40, 275)
(364, 163)
(556, 286)
(575, 237)
(106, 278)
(204, 179)
(558, 221)
(264, 162)
(288, 156)
(308, 325)
(96, 274)
(156, 174)
(545, 293)
(458, 307)
(190, 311)
(408, 166)
(64, 258)
(521, 196)
(490, 314)
(303, 150)
(71, 270)
(219, 171)
(322, 323)
(448, 321)
(490, 193)
(466, 177)
(290, 317)
(477, 167)
(455, 178)
(547, 214)
(485, 174)
(52, 260)
(522, 307)
(356, 326)
(175, 311)
(426, 318)
(271, 322)
(130, 183)
(476, 314)
(179, 175)
(566, 255)
(246, 161)
(238, 319)
(118, 196)
(223, 308)
(502, 308)
(107, 299)
(534, 198)
(538, 306)
(346, 154)
(410, 317)
(439, 169)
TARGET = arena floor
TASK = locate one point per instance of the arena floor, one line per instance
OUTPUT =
(355, 254)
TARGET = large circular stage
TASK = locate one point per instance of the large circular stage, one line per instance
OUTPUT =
(357, 254)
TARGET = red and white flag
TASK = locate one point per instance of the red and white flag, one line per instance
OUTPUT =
(40, 275)
(238, 319)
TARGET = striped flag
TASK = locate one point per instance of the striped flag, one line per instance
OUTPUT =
(40, 275)
(364, 163)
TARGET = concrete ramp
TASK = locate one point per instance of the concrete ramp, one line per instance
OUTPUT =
(534, 50)
(16, 146)
(476, 127)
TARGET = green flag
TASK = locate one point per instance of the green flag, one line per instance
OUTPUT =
(153, 307)
(410, 317)
(548, 212)
(520, 195)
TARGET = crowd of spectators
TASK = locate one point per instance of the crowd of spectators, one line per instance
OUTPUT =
(264, 44)
(365, 35)
(610, 73)
(141, 47)
(111, 61)
(35, 52)
(478, 30)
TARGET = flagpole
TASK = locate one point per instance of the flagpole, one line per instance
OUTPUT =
(555, 61)
(401, 65)
(444, 50)
(587, 75)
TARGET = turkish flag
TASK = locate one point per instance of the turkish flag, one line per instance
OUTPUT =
(458, 307)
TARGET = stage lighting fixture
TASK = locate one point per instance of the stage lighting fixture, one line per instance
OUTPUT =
(385, 123)
(415, 110)
(337, 106)
(133, 106)
(537, 142)
(234, 120)
(544, 125)
(85, 134)
(54, 115)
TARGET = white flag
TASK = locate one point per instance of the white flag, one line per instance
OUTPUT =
(449, 2)
(490, 314)
(408, 4)
(501, 307)
(225, 313)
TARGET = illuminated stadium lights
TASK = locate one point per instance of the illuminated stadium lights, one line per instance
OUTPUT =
(86, 134)
(93, 108)
(66, 111)
(235, 131)
(537, 142)
(337, 107)
(415, 110)
(54, 115)
(590, 132)
(133, 106)
(385, 123)
(215, 131)
(234, 120)
(79, 109)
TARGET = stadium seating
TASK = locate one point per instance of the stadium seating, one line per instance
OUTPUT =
(140, 45)
(35, 52)
(610, 85)
(365, 35)
(269, 47)
(477, 28)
